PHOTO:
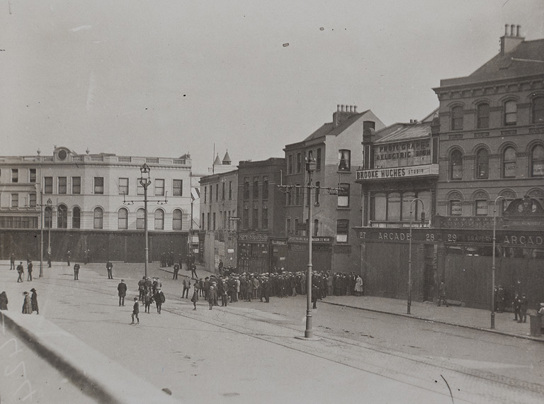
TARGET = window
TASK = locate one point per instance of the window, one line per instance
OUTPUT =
(140, 219)
(288, 198)
(509, 163)
(139, 187)
(393, 207)
(318, 160)
(316, 227)
(211, 194)
(537, 161)
(538, 110)
(290, 164)
(342, 230)
(317, 191)
(456, 165)
(246, 217)
(62, 217)
(48, 185)
(223, 190)
(344, 160)
(48, 217)
(379, 207)
(14, 175)
(76, 185)
(32, 200)
(216, 192)
(287, 226)
(99, 187)
(209, 222)
(214, 221)
(177, 219)
(14, 200)
(62, 185)
(255, 187)
(246, 188)
(483, 116)
(123, 186)
(264, 220)
(32, 176)
(297, 194)
(177, 188)
(122, 219)
(481, 207)
(397, 206)
(205, 194)
(482, 164)
(98, 217)
(455, 208)
(299, 162)
(343, 195)
(159, 187)
(510, 113)
(255, 219)
(457, 118)
(230, 190)
(76, 218)
(265, 187)
(159, 219)
(296, 232)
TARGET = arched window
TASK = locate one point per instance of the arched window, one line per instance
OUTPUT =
(140, 219)
(159, 219)
(122, 219)
(481, 205)
(456, 165)
(76, 218)
(457, 118)
(483, 116)
(48, 217)
(537, 161)
(509, 162)
(393, 207)
(482, 164)
(510, 113)
(98, 222)
(62, 217)
(177, 219)
(538, 110)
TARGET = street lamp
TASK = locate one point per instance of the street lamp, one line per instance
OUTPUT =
(145, 181)
(409, 303)
(49, 204)
(493, 262)
(308, 333)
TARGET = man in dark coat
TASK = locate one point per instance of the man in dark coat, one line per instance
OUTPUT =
(122, 292)
(76, 272)
(159, 299)
(34, 301)
(176, 271)
(20, 271)
(3, 301)
(29, 271)
(109, 267)
(68, 255)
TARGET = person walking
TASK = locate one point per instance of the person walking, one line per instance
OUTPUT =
(135, 311)
(442, 294)
(358, 286)
(147, 299)
(29, 271)
(12, 262)
(3, 301)
(193, 271)
(122, 292)
(159, 299)
(186, 287)
(27, 304)
(524, 303)
(34, 301)
(176, 271)
(20, 271)
(212, 294)
(194, 299)
(109, 268)
(76, 272)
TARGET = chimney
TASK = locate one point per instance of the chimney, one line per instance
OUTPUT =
(343, 112)
(510, 42)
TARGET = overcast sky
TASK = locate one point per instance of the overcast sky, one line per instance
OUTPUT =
(163, 78)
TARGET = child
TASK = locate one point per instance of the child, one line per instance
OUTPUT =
(194, 299)
(135, 311)
(148, 299)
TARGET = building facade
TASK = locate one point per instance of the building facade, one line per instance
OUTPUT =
(93, 203)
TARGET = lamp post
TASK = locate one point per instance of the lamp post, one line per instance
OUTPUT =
(145, 181)
(308, 333)
(409, 302)
(49, 204)
(493, 262)
(41, 232)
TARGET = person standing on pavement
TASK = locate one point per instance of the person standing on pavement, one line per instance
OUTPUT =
(159, 299)
(122, 292)
(194, 299)
(517, 308)
(29, 271)
(186, 287)
(524, 303)
(3, 301)
(176, 271)
(34, 301)
(76, 272)
(358, 286)
(135, 311)
(212, 294)
(27, 304)
(68, 255)
(20, 271)
(12, 261)
(109, 268)
(193, 271)
(442, 294)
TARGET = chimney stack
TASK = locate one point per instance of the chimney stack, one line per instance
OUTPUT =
(343, 112)
(510, 42)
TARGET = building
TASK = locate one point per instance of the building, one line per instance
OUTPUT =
(336, 201)
(93, 203)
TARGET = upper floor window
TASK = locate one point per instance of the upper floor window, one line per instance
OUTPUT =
(230, 190)
(32, 176)
(122, 219)
(32, 200)
(344, 160)
(177, 219)
(139, 187)
(48, 185)
(140, 219)
(318, 160)
(76, 218)
(216, 192)
(76, 185)
(457, 118)
(483, 116)
(537, 111)
(159, 187)
(316, 227)
(159, 219)
(62, 217)
(510, 113)
(98, 218)
(290, 164)
(509, 162)
(455, 207)
(246, 188)
(255, 187)
(317, 192)
(48, 217)
(482, 164)
(343, 195)
(456, 165)
(123, 186)
(537, 161)
(62, 185)
(481, 207)
(299, 162)
(98, 186)
(264, 220)
(223, 191)
(14, 200)
(14, 175)
(177, 188)
(342, 230)
(265, 187)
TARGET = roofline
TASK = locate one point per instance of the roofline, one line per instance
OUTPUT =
(483, 82)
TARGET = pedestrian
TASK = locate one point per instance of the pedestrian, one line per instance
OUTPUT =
(358, 286)
(68, 255)
(12, 261)
(27, 304)
(212, 294)
(109, 268)
(29, 271)
(186, 287)
(76, 272)
(20, 271)
(442, 294)
(159, 299)
(147, 299)
(193, 271)
(524, 303)
(3, 301)
(517, 308)
(34, 301)
(194, 299)
(122, 292)
(176, 270)
(48, 259)
(315, 295)
(135, 311)
(220, 267)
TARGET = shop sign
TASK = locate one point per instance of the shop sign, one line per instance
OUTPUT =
(302, 239)
(252, 237)
(398, 172)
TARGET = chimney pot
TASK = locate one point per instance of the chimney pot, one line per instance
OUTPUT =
(517, 30)
(512, 27)
(355, 108)
(337, 107)
(505, 29)
(351, 108)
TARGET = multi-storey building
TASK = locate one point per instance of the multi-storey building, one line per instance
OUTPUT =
(336, 149)
(93, 203)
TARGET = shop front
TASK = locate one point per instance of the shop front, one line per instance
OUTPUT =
(298, 254)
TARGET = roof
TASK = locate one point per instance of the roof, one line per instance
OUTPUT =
(328, 129)
(526, 59)
(404, 131)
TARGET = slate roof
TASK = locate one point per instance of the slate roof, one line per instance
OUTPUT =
(404, 131)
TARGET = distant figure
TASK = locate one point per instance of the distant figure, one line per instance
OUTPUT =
(159, 299)
(29, 271)
(220, 267)
(68, 255)
(442, 294)
(193, 271)
(186, 287)
(212, 294)
(524, 303)
(194, 299)
(20, 271)
(147, 299)
(135, 311)
(12, 261)
(122, 292)
(27, 304)
(359, 286)
(34, 301)
(109, 267)
(3, 301)
(176, 270)
(48, 260)
(76, 272)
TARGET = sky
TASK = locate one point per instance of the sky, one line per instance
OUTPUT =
(165, 78)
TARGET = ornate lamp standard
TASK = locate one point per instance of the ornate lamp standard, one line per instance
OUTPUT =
(493, 262)
(49, 205)
(308, 333)
(409, 303)
(145, 181)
